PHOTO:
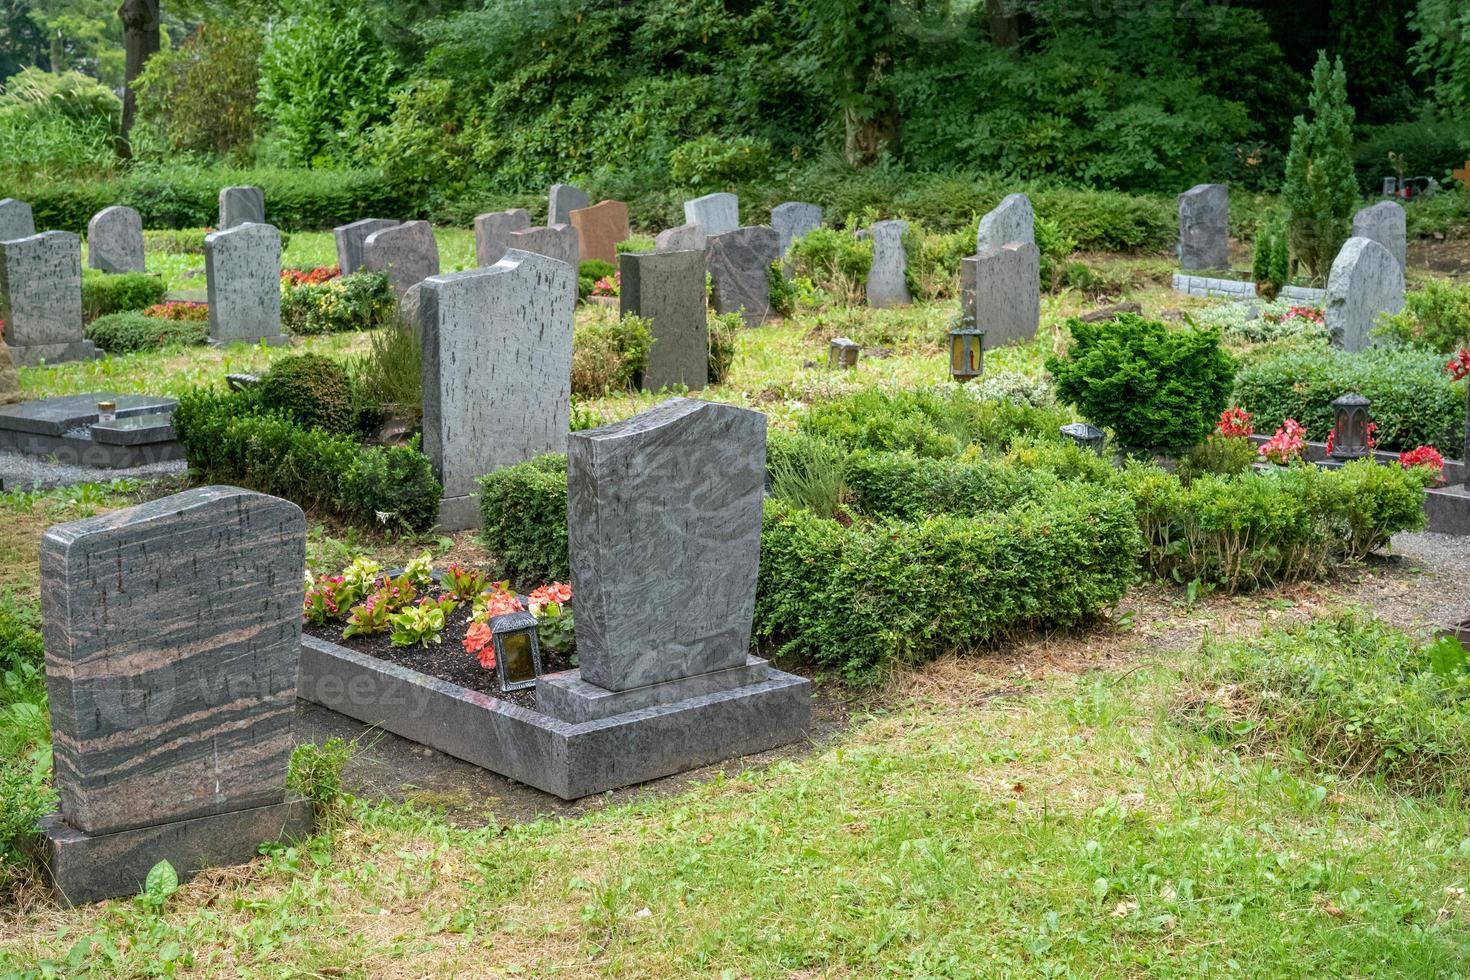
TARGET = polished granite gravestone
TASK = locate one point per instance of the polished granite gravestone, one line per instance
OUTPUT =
(887, 280)
(115, 241)
(1013, 220)
(408, 253)
(717, 214)
(562, 200)
(792, 220)
(1365, 282)
(668, 288)
(740, 269)
(16, 220)
(41, 299)
(599, 230)
(67, 431)
(239, 206)
(1204, 227)
(684, 238)
(492, 233)
(350, 238)
(560, 242)
(497, 372)
(1387, 224)
(1001, 289)
(242, 266)
(173, 637)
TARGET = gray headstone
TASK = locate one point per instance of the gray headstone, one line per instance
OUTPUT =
(1001, 288)
(715, 213)
(1204, 227)
(115, 241)
(492, 233)
(408, 253)
(241, 205)
(562, 201)
(664, 528)
(560, 242)
(1385, 223)
(9, 377)
(41, 297)
(497, 372)
(173, 632)
(886, 283)
(1012, 220)
(243, 266)
(16, 220)
(740, 267)
(669, 289)
(1365, 282)
(684, 238)
(792, 220)
(350, 239)
(410, 310)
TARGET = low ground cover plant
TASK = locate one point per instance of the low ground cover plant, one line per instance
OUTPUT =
(609, 354)
(361, 301)
(131, 332)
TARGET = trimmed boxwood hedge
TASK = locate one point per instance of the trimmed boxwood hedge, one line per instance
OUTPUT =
(104, 293)
(131, 332)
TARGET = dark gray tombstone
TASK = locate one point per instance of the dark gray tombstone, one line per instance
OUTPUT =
(408, 253)
(41, 298)
(243, 268)
(241, 205)
(562, 201)
(740, 266)
(115, 241)
(350, 238)
(492, 233)
(1204, 227)
(669, 289)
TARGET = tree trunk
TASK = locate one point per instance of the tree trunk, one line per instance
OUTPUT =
(1005, 31)
(141, 39)
(868, 138)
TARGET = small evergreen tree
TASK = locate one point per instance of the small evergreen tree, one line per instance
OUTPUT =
(1320, 189)
(1270, 263)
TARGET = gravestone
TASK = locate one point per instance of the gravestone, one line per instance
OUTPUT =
(241, 205)
(492, 233)
(717, 214)
(1013, 220)
(497, 372)
(9, 377)
(669, 289)
(1001, 289)
(243, 269)
(115, 241)
(599, 230)
(792, 220)
(740, 267)
(683, 238)
(41, 298)
(16, 220)
(1204, 227)
(1385, 223)
(1366, 281)
(408, 253)
(173, 633)
(410, 311)
(886, 283)
(562, 201)
(560, 242)
(350, 238)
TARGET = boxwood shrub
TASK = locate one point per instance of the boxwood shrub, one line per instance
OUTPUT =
(104, 293)
(934, 422)
(129, 333)
(361, 301)
(524, 514)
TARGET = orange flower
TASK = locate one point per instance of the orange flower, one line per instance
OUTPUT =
(557, 592)
(478, 642)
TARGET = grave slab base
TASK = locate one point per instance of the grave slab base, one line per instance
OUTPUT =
(83, 868)
(1448, 509)
(35, 354)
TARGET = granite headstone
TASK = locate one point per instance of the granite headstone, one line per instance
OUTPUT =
(408, 253)
(740, 266)
(16, 220)
(1204, 227)
(669, 289)
(241, 205)
(115, 241)
(560, 242)
(715, 213)
(1366, 281)
(41, 298)
(1012, 220)
(683, 238)
(492, 233)
(9, 377)
(562, 201)
(887, 285)
(1001, 289)
(350, 238)
(599, 230)
(243, 266)
(792, 220)
(1385, 223)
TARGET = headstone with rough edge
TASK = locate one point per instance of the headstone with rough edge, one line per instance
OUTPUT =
(41, 298)
(1365, 282)
(715, 213)
(16, 220)
(1001, 289)
(887, 284)
(497, 372)
(599, 230)
(492, 233)
(1013, 220)
(1204, 227)
(669, 289)
(115, 241)
(740, 268)
(683, 238)
(241, 205)
(408, 253)
(350, 238)
(560, 242)
(792, 220)
(243, 267)
(562, 201)
(1385, 223)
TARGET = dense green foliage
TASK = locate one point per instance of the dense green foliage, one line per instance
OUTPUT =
(128, 333)
(524, 513)
(25, 753)
(311, 390)
(609, 354)
(361, 301)
(1436, 316)
(1321, 191)
(104, 293)
(931, 422)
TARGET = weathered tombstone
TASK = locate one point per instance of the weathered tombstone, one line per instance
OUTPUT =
(717, 214)
(562, 201)
(1001, 288)
(1385, 223)
(558, 242)
(497, 372)
(410, 307)
(1366, 281)
(350, 238)
(599, 230)
(887, 285)
(9, 377)
(792, 220)
(1204, 227)
(241, 205)
(173, 632)
(669, 289)
(740, 267)
(115, 241)
(1012, 220)
(408, 253)
(16, 220)
(492, 233)
(683, 238)
(243, 269)
(41, 298)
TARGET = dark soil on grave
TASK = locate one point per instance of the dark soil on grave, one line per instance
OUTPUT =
(446, 660)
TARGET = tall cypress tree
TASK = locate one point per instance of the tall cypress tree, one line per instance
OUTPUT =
(1321, 190)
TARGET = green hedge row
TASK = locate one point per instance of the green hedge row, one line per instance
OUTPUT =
(104, 293)
(229, 439)
(131, 332)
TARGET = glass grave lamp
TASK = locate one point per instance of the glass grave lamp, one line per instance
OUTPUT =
(1351, 437)
(517, 650)
(966, 349)
(1086, 436)
(842, 353)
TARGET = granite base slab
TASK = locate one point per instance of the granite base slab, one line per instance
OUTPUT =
(1448, 509)
(459, 513)
(567, 759)
(37, 354)
(83, 868)
(80, 450)
(280, 340)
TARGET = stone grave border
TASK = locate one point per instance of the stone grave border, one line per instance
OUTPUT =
(1207, 286)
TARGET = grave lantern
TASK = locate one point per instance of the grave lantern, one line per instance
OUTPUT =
(1350, 434)
(517, 651)
(1086, 436)
(842, 353)
(966, 349)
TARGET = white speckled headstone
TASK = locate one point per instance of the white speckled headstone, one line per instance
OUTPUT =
(740, 268)
(669, 289)
(492, 233)
(1385, 223)
(1012, 220)
(1366, 281)
(715, 213)
(350, 238)
(1204, 227)
(115, 241)
(684, 238)
(1001, 288)
(497, 372)
(562, 201)
(41, 297)
(887, 285)
(243, 266)
(408, 253)
(663, 532)
(16, 220)
(241, 205)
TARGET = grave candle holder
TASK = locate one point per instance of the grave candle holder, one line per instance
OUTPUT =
(1086, 436)
(966, 350)
(517, 650)
(842, 353)
(1350, 421)
(107, 411)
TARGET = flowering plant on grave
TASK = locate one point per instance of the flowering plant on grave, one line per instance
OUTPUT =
(1459, 365)
(179, 310)
(420, 571)
(422, 624)
(1288, 445)
(608, 285)
(1426, 460)
(312, 277)
(362, 574)
(1235, 423)
(375, 613)
(465, 584)
(328, 597)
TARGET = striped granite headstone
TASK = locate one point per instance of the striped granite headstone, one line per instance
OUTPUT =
(173, 635)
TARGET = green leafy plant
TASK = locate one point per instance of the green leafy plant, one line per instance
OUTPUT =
(361, 301)
(104, 293)
(1436, 316)
(1321, 191)
(835, 260)
(523, 510)
(610, 353)
(315, 774)
(806, 472)
(312, 390)
(129, 333)
(422, 624)
(160, 885)
(723, 331)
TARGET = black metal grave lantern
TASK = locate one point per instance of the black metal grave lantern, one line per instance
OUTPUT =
(1086, 436)
(843, 353)
(517, 650)
(966, 350)
(1351, 438)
